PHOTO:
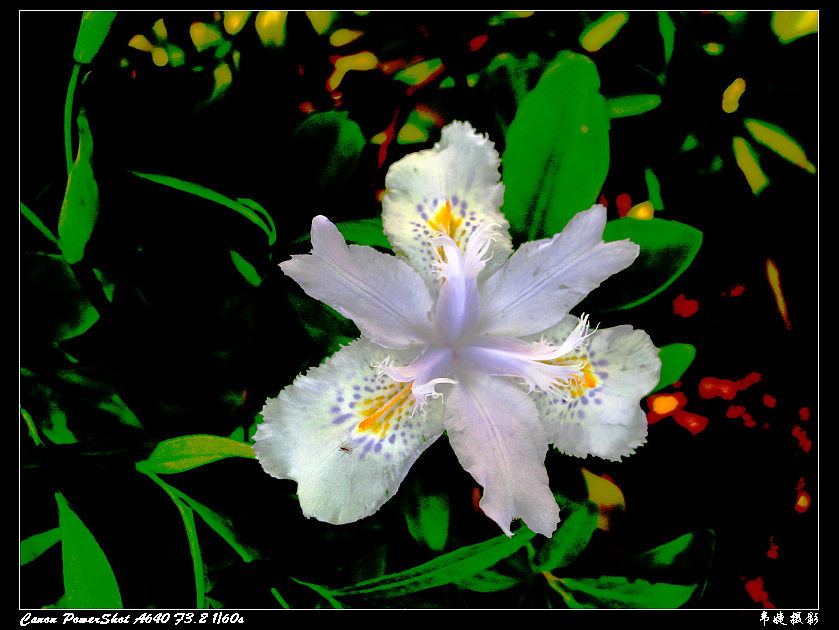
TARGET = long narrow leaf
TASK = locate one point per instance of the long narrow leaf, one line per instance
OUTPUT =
(451, 567)
(212, 195)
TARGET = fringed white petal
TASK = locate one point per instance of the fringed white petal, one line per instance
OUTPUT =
(451, 189)
(603, 417)
(346, 433)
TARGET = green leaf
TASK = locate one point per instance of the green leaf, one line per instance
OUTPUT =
(39, 225)
(668, 34)
(619, 592)
(557, 153)
(247, 270)
(89, 581)
(92, 32)
(427, 516)
(326, 148)
(579, 520)
(685, 560)
(360, 232)
(488, 581)
(365, 232)
(599, 33)
(419, 72)
(667, 249)
(327, 328)
(266, 225)
(37, 544)
(675, 359)
(219, 524)
(190, 451)
(653, 189)
(452, 567)
(632, 105)
(80, 207)
(54, 306)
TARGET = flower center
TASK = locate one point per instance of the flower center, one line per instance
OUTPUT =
(446, 223)
(577, 383)
(379, 412)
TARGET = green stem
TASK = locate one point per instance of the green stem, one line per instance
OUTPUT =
(68, 116)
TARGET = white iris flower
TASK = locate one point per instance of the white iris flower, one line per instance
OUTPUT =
(460, 336)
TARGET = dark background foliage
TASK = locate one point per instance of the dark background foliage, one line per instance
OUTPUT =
(185, 345)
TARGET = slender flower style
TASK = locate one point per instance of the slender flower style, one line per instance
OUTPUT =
(459, 335)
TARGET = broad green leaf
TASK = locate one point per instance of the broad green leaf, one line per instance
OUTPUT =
(619, 592)
(211, 195)
(667, 249)
(632, 105)
(89, 581)
(557, 153)
(80, 207)
(675, 359)
(326, 148)
(92, 32)
(579, 520)
(37, 544)
(451, 567)
(190, 451)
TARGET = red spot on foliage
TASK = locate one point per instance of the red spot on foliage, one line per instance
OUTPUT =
(768, 400)
(756, 591)
(710, 387)
(477, 42)
(739, 411)
(685, 307)
(804, 413)
(691, 421)
(773, 549)
(802, 502)
(476, 500)
(664, 405)
(803, 443)
(734, 292)
(624, 203)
